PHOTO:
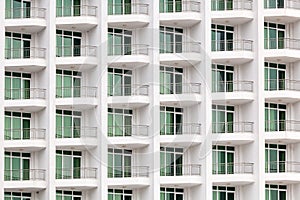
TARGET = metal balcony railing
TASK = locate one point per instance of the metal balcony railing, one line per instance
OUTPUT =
(232, 127)
(24, 134)
(180, 129)
(232, 168)
(282, 43)
(232, 45)
(179, 6)
(222, 5)
(76, 132)
(281, 4)
(25, 53)
(76, 11)
(76, 92)
(76, 173)
(25, 93)
(128, 171)
(180, 47)
(76, 51)
(128, 90)
(282, 84)
(127, 49)
(127, 131)
(181, 170)
(128, 9)
(25, 13)
(232, 86)
(282, 125)
(180, 88)
(282, 167)
(25, 175)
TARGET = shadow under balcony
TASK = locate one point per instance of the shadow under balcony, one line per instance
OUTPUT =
(286, 11)
(282, 131)
(283, 172)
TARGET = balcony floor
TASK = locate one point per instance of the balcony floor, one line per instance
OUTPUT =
(128, 183)
(27, 25)
(232, 57)
(232, 17)
(180, 19)
(128, 21)
(282, 55)
(282, 15)
(30, 186)
(283, 178)
(282, 96)
(76, 143)
(232, 179)
(186, 140)
(78, 23)
(25, 145)
(128, 61)
(76, 184)
(132, 142)
(180, 59)
(288, 137)
(83, 103)
(25, 65)
(232, 138)
(128, 101)
(180, 181)
(25, 105)
(233, 98)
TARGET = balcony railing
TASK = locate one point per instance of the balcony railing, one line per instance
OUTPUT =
(232, 168)
(25, 13)
(128, 9)
(24, 134)
(180, 129)
(76, 132)
(180, 88)
(293, 4)
(222, 5)
(232, 45)
(24, 93)
(232, 127)
(127, 49)
(76, 11)
(232, 86)
(181, 170)
(76, 51)
(282, 84)
(76, 173)
(180, 47)
(25, 175)
(127, 131)
(128, 90)
(282, 125)
(128, 171)
(282, 167)
(25, 53)
(179, 6)
(76, 92)
(282, 43)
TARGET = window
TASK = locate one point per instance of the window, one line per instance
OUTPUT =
(275, 117)
(276, 192)
(17, 85)
(119, 194)
(68, 83)
(68, 124)
(119, 7)
(171, 161)
(222, 119)
(223, 193)
(171, 193)
(119, 122)
(274, 35)
(119, 163)
(119, 42)
(275, 155)
(274, 3)
(66, 8)
(218, 5)
(275, 76)
(168, 6)
(222, 37)
(171, 80)
(68, 195)
(222, 78)
(68, 43)
(15, 9)
(17, 166)
(223, 159)
(68, 164)
(170, 39)
(171, 120)
(119, 82)
(17, 45)
(17, 196)
(17, 125)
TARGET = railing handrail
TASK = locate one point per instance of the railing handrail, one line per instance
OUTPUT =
(238, 168)
(233, 45)
(135, 8)
(85, 131)
(282, 125)
(282, 166)
(35, 133)
(186, 6)
(135, 89)
(134, 130)
(31, 174)
(184, 88)
(25, 53)
(128, 49)
(282, 43)
(134, 171)
(282, 85)
(25, 93)
(82, 91)
(236, 86)
(287, 4)
(85, 173)
(184, 47)
(236, 5)
(237, 127)
(85, 50)
(85, 10)
(187, 128)
(35, 12)
(185, 169)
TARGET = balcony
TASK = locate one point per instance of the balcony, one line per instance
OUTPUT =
(79, 138)
(184, 94)
(76, 18)
(29, 59)
(282, 131)
(129, 177)
(79, 98)
(288, 12)
(128, 15)
(183, 135)
(32, 180)
(25, 99)
(233, 52)
(180, 13)
(232, 12)
(128, 55)
(284, 50)
(282, 90)
(76, 178)
(181, 175)
(283, 172)
(130, 136)
(129, 96)
(29, 140)
(233, 133)
(180, 53)
(235, 174)
(232, 92)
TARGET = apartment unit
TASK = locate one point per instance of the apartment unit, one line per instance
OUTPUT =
(150, 99)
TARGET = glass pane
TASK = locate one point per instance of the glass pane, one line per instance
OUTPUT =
(76, 167)
(26, 129)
